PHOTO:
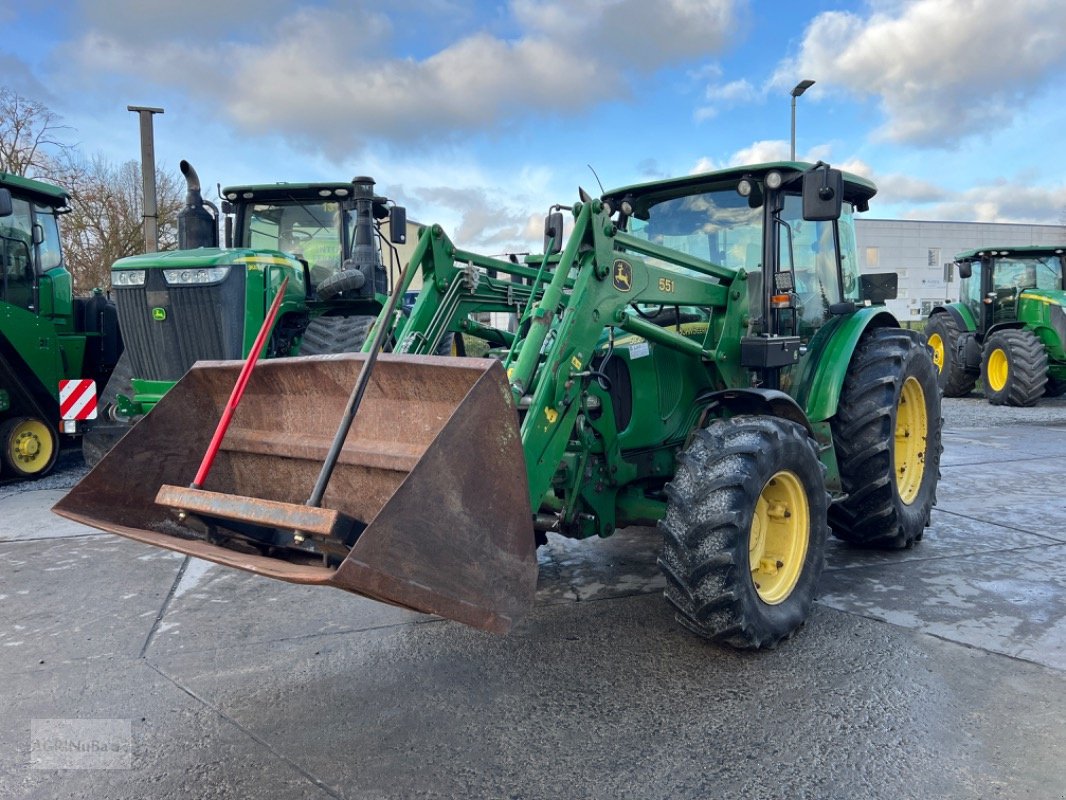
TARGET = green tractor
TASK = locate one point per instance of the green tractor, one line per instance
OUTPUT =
(55, 348)
(1009, 328)
(205, 302)
(701, 353)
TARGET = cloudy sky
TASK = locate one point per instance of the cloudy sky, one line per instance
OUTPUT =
(479, 115)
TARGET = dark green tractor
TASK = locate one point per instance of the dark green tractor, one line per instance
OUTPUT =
(56, 349)
(205, 302)
(1008, 329)
(698, 353)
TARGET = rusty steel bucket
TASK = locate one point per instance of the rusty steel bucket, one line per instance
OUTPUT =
(432, 467)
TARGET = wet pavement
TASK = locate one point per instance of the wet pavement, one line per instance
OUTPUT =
(938, 671)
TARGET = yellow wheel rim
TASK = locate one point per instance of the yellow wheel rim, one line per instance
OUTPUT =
(30, 446)
(937, 344)
(998, 370)
(912, 432)
(780, 532)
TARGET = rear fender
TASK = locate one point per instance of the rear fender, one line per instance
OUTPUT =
(828, 356)
(960, 313)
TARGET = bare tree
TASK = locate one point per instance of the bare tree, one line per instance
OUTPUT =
(30, 136)
(105, 222)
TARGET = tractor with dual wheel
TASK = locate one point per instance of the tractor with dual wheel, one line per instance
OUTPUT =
(1008, 329)
(697, 353)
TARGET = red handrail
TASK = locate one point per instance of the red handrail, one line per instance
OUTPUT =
(238, 388)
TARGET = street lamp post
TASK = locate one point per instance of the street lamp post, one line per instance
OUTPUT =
(797, 90)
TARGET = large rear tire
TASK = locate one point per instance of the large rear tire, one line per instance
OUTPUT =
(886, 433)
(942, 333)
(1014, 368)
(30, 447)
(335, 335)
(744, 532)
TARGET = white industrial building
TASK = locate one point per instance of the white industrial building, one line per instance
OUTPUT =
(922, 254)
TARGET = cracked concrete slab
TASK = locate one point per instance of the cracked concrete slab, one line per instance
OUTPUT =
(902, 683)
(180, 746)
(608, 699)
(1013, 605)
(77, 599)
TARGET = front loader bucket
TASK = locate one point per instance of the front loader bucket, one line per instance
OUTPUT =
(433, 466)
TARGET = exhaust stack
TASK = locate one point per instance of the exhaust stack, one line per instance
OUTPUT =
(197, 227)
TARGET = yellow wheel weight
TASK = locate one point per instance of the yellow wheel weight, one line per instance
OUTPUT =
(780, 533)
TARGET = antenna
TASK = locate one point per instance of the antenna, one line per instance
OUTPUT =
(597, 177)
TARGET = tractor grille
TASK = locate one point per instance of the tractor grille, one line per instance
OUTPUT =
(198, 323)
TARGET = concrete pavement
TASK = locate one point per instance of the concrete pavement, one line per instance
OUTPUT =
(937, 671)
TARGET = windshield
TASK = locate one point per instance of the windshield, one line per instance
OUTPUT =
(310, 230)
(717, 226)
(1035, 272)
(720, 227)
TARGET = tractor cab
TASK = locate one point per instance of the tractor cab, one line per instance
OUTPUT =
(29, 241)
(995, 281)
(788, 227)
(328, 226)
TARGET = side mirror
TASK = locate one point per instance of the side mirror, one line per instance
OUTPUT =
(965, 269)
(6, 208)
(38, 233)
(228, 207)
(879, 287)
(553, 233)
(823, 194)
(398, 225)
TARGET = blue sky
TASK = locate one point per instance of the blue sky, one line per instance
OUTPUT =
(480, 115)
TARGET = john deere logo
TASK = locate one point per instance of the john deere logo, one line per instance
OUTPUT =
(159, 314)
(623, 276)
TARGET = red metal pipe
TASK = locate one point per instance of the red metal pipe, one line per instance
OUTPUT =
(238, 388)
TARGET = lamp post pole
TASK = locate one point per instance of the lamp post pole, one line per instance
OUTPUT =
(151, 215)
(797, 90)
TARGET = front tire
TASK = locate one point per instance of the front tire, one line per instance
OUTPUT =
(886, 433)
(744, 532)
(942, 333)
(1014, 368)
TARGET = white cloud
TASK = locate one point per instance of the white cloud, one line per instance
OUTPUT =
(760, 152)
(635, 33)
(725, 95)
(323, 76)
(1000, 201)
(941, 69)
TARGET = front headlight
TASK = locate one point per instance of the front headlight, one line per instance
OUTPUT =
(127, 277)
(195, 275)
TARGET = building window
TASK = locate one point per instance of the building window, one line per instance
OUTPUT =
(934, 256)
(872, 257)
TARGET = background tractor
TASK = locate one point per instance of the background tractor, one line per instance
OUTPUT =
(206, 302)
(701, 354)
(1009, 328)
(47, 336)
